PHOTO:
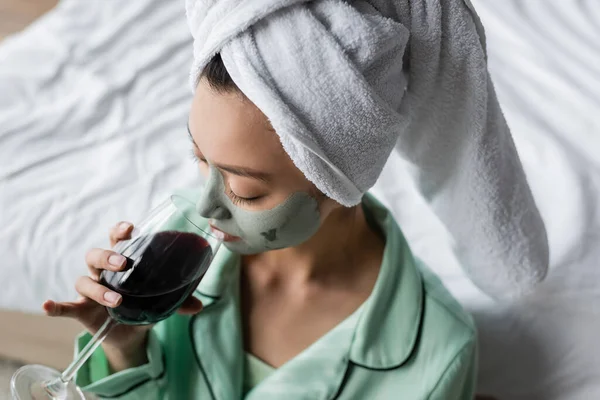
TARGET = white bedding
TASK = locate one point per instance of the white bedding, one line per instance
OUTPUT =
(93, 107)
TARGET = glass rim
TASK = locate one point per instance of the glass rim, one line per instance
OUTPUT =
(196, 224)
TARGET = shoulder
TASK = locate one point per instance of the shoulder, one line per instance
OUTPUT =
(447, 345)
(445, 323)
(442, 363)
(442, 307)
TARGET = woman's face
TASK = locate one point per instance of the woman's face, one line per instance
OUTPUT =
(253, 191)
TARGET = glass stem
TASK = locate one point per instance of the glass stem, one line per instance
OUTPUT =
(56, 386)
(89, 348)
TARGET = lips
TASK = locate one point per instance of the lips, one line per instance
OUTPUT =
(224, 236)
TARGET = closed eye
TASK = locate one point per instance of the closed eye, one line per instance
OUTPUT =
(238, 200)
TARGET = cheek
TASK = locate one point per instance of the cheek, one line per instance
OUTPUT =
(274, 199)
(299, 223)
(288, 224)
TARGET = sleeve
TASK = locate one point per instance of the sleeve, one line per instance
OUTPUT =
(459, 380)
(145, 382)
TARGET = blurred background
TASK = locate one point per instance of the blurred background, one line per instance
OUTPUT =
(94, 97)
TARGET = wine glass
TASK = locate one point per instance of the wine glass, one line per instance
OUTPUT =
(167, 257)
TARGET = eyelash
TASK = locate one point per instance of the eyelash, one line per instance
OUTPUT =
(194, 157)
(237, 200)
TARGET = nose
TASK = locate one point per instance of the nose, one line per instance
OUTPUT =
(209, 205)
(212, 211)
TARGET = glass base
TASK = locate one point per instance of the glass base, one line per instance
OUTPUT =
(27, 384)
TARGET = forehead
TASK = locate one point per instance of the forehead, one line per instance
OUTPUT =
(229, 129)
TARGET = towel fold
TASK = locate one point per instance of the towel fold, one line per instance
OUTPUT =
(345, 83)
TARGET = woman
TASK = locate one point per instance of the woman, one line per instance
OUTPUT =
(326, 301)
(343, 309)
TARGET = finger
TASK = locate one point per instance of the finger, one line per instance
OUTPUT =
(99, 259)
(190, 306)
(67, 309)
(119, 232)
(94, 273)
(87, 287)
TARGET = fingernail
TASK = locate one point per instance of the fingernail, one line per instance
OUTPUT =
(123, 226)
(116, 260)
(112, 297)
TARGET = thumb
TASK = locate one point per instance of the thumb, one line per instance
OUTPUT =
(190, 306)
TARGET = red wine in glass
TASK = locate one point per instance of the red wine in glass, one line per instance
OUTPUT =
(167, 257)
(165, 271)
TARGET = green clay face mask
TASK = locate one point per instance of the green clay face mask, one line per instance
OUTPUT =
(288, 224)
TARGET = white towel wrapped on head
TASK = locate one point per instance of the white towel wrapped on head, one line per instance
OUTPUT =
(345, 83)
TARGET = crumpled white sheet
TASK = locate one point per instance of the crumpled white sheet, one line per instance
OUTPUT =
(93, 113)
(93, 107)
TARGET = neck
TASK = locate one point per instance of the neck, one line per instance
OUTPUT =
(344, 241)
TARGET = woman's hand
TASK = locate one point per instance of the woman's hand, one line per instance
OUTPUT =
(125, 345)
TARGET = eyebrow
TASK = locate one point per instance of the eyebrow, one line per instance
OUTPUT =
(239, 171)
